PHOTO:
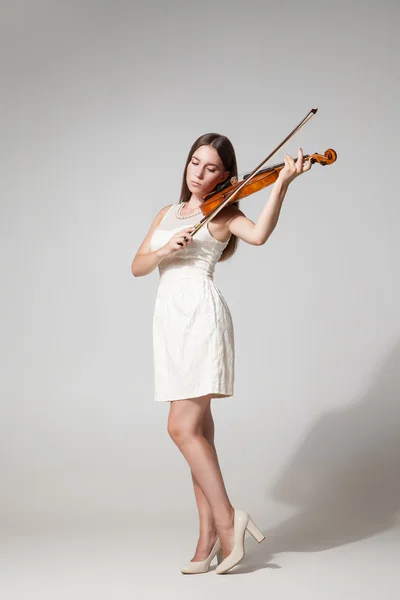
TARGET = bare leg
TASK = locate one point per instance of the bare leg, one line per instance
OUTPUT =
(186, 423)
(208, 530)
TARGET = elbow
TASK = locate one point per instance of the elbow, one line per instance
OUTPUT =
(136, 272)
(133, 270)
(263, 240)
(259, 242)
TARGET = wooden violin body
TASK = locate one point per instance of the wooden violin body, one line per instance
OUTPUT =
(261, 180)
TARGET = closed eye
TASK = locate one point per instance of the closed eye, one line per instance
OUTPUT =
(211, 170)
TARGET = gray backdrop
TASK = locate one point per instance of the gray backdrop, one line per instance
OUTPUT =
(101, 102)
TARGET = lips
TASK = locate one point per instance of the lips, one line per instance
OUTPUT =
(195, 183)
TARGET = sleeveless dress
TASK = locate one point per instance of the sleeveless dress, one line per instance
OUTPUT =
(193, 336)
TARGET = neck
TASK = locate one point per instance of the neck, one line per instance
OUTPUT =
(195, 201)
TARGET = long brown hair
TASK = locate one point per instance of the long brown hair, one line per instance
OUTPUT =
(227, 155)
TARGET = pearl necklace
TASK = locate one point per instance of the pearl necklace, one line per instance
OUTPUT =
(179, 211)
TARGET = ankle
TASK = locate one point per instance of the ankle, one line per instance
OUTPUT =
(227, 520)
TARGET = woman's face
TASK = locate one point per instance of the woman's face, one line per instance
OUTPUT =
(204, 171)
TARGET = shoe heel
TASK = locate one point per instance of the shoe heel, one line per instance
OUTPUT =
(255, 532)
(220, 556)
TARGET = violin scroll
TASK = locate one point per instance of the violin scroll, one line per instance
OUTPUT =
(327, 158)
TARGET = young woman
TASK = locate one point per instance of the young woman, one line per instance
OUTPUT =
(193, 336)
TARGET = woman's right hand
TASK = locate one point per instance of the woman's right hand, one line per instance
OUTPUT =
(178, 241)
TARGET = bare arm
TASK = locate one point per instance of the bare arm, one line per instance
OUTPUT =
(145, 261)
(258, 233)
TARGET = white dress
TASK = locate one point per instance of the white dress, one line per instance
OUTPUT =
(193, 337)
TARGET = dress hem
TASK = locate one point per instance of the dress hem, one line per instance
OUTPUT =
(219, 395)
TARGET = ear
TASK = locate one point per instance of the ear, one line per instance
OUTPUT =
(225, 175)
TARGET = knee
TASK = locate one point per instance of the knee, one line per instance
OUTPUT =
(179, 432)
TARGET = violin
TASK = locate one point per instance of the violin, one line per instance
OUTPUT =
(263, 178)
(232, 190)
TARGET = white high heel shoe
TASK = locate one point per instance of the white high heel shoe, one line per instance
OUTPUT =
(202, 566)
(242, 521)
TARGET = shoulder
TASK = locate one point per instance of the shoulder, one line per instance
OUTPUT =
(222, 223)
(164, 210)
(231, 212)
(159, 217)
(161, 214)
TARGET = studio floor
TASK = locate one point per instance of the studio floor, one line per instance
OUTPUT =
(143, 562)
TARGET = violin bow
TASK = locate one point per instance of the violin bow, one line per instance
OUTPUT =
(209, 217)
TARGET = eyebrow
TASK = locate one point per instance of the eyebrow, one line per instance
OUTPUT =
(212, 164)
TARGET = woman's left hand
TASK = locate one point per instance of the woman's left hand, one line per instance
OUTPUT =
(293, 169)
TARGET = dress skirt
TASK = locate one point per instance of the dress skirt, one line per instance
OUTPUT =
(193, 340)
